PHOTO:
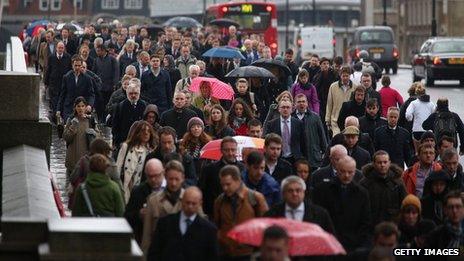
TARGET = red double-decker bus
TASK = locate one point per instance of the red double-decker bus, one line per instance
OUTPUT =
(253, 17)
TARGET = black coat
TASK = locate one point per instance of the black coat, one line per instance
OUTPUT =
(71, 46)
(297, 141)
(397, 144)
(402, 121)
(313, 71)
(139, 72)
(124, 61)
(124, 116)
(327, 174)
(210, 184)
(312, 213)
(440, 237)
(191, 178)
(137, 198)
(322, 82)
(360, 155)
(385, 194)
(368, 124)
(107, 68)
(429, 123)
(177, 120)
(157, 89)
(350, 213)
(282, 170)
(350, 108)
(364, 142)
(198, 243)
(226, 131)
(56, 69)
(70, 91)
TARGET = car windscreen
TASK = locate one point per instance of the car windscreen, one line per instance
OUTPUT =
(452, 46)
(375, 36)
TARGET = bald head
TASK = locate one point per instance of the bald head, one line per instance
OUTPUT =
(351, 121)
(191, 201)
(154, 172)
(346, 169)
(336, 153)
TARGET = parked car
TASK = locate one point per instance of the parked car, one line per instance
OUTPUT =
(439, 58)
(379, 42)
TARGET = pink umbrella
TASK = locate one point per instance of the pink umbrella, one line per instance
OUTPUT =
(219, 90)
(306, 239)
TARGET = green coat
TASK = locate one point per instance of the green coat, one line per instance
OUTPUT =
(105, 196)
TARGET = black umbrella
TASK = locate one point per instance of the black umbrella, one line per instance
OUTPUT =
(183, 22)
(153, 30)
(250, 72)
(272, 63)
(224, 22)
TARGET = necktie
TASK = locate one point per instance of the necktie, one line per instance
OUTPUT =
(65, 41)
(292, 213)
(286, 138)
(188, 222)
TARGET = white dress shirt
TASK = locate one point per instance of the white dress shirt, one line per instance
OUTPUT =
(298, 213)
(183, 224)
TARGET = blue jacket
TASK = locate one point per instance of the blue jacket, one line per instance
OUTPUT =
(157, 89)
(267, 186)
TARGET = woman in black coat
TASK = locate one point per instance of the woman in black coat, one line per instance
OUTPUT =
(435, 189)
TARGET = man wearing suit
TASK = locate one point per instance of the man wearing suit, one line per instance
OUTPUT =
(185, 235)
(75, 84)
(128, 57)
(46, 49)
(57, 66)
(174, 49)
(329, 172)
(277, 167)
(156, 85)
(142, 64)
(69, 43)
(296, 207)
(291, 130)
(127, 112)
(250, 54)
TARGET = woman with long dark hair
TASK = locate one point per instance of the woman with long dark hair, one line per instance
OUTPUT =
(76, 134)
(141, 140)
(239, 116)
(174, 73)
(218, 127)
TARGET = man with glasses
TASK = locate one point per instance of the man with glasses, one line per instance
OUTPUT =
(450, 234)
(136, 207)
(291, 130)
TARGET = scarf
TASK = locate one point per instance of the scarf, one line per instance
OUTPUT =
(456, 236)
(306, 85)
(238, 122)
(173, 197)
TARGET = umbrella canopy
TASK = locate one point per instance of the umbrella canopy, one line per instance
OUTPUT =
(224, 22)
(272, 63)
(183, 21)
(30, 28)
(250, 72)
(71, 26)
(212, 149)
(219, 90)
(224, 52)
(306, 239)
(153, 30)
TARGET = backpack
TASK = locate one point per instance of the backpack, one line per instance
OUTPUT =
(367, 67)
(444, 124)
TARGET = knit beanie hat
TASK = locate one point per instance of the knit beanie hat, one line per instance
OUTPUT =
(195, 121)
(411, 200)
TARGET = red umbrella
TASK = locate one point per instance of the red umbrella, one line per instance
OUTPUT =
(219, 90)
(212, 149)
(306, 239)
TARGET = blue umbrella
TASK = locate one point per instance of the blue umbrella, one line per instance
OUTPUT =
(224, 52)
(32, 25)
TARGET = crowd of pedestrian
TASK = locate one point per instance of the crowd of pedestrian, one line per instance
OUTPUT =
(366, 166)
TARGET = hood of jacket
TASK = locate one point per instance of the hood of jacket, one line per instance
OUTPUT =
(96, 180)
(151, 108)
(424, 98)
(394, 172)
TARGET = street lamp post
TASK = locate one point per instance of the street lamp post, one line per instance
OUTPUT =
(385, 12)
(434, 18)
(314, 12)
